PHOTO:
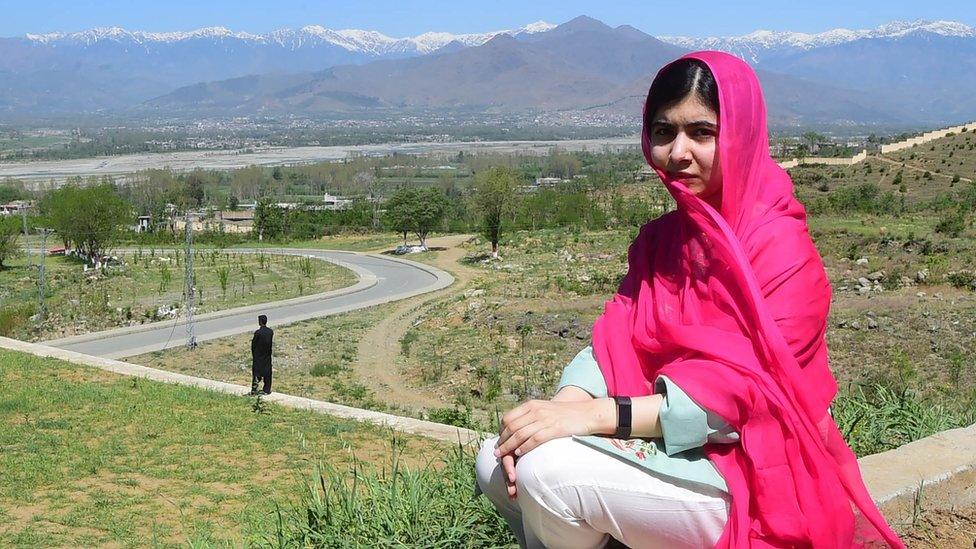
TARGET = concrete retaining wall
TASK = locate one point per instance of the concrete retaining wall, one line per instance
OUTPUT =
(926, 137)
(830, 161)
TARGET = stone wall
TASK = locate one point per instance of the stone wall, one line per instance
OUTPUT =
(830, 161)
(925, 138)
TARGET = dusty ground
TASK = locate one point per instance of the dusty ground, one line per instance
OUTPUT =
(943, 529)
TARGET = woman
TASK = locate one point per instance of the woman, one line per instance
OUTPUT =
(716, 335)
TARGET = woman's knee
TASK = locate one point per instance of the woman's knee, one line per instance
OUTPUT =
(546, 466)
(487, 469)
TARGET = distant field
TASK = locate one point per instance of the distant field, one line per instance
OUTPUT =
(14, 144)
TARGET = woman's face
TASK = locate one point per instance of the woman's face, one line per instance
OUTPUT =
(684, 143)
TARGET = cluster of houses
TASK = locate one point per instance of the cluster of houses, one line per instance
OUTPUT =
(239, 220)
(15, 208)
(547, 183)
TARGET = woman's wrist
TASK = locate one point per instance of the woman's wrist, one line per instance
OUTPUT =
(646, 409)
(604, 414)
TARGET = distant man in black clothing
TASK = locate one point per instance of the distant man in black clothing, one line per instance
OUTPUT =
(261, 356)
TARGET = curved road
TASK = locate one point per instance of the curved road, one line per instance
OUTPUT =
(381, 280)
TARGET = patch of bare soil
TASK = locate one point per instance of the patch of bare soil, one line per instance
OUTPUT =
(943, 529)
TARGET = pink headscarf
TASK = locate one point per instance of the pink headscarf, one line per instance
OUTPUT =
(732, 306)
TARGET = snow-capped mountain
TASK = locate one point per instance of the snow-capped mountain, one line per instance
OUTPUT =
(761, 43)
(906, 72)
(353, 40)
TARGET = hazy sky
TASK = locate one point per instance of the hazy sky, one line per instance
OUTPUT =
(408, 18)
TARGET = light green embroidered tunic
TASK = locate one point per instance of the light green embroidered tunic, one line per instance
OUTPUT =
(686, 427)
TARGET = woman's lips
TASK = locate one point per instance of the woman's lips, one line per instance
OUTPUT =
(682, 175)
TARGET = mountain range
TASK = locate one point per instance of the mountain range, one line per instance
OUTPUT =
(903, 73)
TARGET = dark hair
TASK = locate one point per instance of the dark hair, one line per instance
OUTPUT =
(677, 81)
(262, 320)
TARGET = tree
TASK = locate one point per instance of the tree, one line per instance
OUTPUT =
(269, 219)
(813, 140)
(495, 197)
(397, 212)
(149, 191)
(11, 190)
(248, 183)
(417, 210)
(9, 232)
(90, 219)
(194, 192)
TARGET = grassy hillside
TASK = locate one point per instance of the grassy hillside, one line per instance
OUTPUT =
(96, 459)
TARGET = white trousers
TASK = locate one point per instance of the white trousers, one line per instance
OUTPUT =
(573, 496)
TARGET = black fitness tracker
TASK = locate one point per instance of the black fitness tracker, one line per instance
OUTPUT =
(624, 417)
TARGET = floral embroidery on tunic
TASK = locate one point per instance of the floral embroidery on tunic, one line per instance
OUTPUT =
(639, 447)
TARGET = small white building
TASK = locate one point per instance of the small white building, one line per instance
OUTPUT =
(336, 203)
(14, 208)
(143, 224)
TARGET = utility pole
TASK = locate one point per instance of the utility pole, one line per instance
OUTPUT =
(41, 283)
(188, 285)
(23, 216)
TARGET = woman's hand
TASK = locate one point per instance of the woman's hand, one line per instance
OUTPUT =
(568, 393)
(539, 421)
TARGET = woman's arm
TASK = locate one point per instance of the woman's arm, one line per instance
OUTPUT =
(539, 421)
(571, 393)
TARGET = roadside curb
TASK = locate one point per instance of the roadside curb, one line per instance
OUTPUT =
(938, 468)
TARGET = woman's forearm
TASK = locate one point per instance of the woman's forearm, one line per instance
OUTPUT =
(645, 414)
(571, 393)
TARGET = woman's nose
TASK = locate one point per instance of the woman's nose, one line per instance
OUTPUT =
(680, 150)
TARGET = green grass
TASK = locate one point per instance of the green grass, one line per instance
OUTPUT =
(94, 459)
(878, 417)
(132, 293)
(396, 506)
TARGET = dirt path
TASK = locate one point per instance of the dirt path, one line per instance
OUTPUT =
(379, 363)
(908, 166)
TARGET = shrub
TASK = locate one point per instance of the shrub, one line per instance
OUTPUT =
(962, 279)
(457, 416)
(13, 317)
(327, 368)
(952, 223)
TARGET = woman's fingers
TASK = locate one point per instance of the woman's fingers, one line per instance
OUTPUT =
(508, 466)
(518, 411)
(514, 426)
(539, 437)
(518, 438)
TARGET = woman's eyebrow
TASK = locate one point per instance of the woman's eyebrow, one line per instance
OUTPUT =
(696, 123)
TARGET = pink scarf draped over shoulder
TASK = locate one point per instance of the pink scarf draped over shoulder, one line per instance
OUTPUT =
(732, 306)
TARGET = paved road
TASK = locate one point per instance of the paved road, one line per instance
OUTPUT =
(381, 280)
